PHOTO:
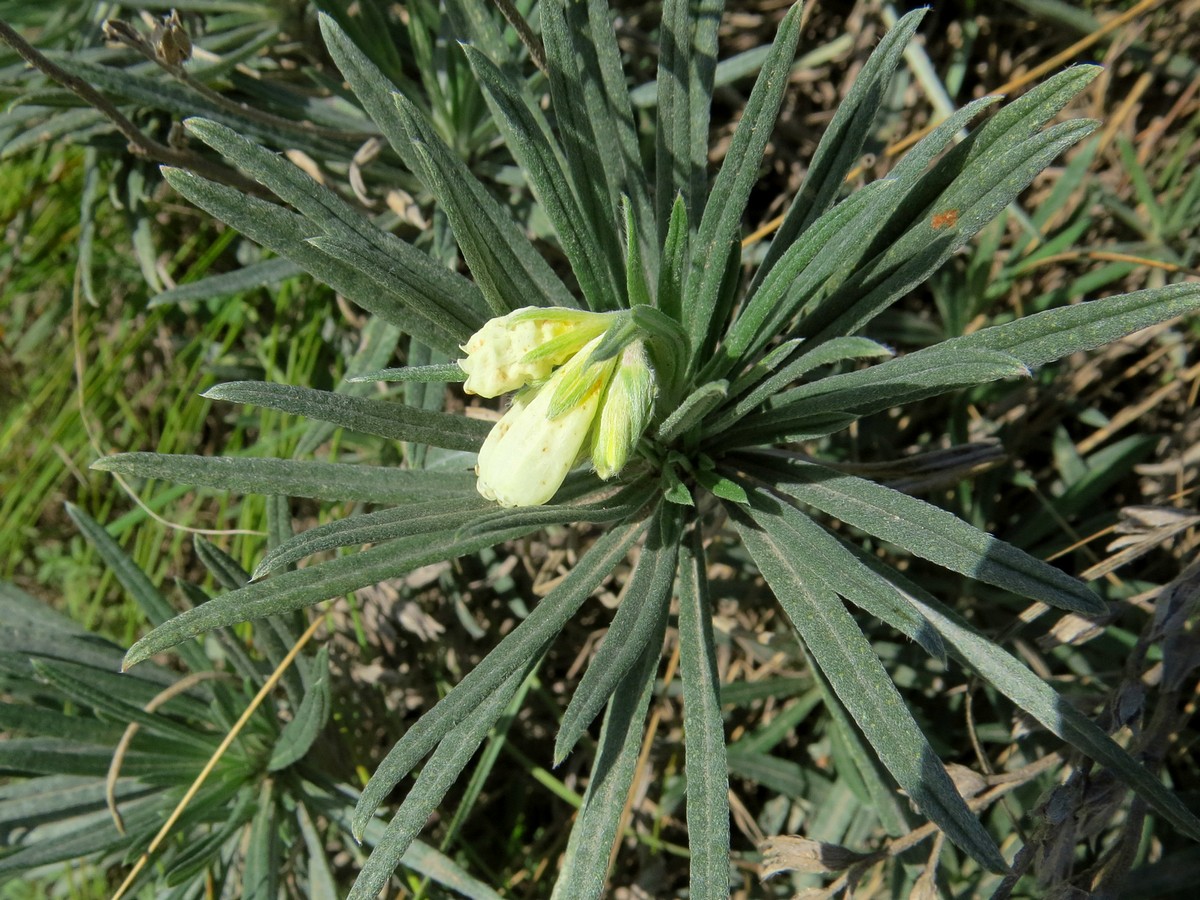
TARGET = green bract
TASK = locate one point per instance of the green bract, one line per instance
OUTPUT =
(747, 361)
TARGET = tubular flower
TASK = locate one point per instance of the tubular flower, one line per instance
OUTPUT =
(525, 346)
(570, 407)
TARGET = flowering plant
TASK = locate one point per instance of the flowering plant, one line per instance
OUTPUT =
(695, 385)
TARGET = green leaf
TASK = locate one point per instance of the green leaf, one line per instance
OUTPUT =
(437, 777)
(825, 562)
(640, 622)
(669, 296)
(842, 142)
(925, 373)
(432, 374)
(260, 881)
(239, 281)
(311, 715)
(395, 421)
(766, 385)
(403, 303)
(692, 410)
(148, 598)
(862, 684)
(1039, 699)
(525, 641)
(293, 478)
(925, 531)
(503, 262)
(586, 128)
(975, 180)
(765, 312)
(687, 62)
(294, 590)
(1047, 336)
(445, 292)
(446, 513)
(584, 867)
(706, 765)
(726, 204)
(595, 266)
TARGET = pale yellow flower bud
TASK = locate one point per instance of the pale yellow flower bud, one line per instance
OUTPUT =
(525, 346)
(624, 411)
(528, 454)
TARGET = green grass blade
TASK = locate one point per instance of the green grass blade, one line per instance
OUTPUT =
(704, 728)
(863, 686)
(527, 639)
(292, 478)
(395, 421)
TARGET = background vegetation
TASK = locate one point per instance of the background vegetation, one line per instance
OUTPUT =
(1095, 445)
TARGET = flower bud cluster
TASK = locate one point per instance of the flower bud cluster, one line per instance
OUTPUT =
(568, 407)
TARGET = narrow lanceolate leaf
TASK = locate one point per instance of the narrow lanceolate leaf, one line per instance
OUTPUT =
(840, 146)
(526, 640)
(1050, 335)
(971, 184)
(431, 374)
(824, 561)
(380, 417)
(726, 204)
(585, 128)
(446, 292)
(926, 373)
(766, 385)
(374, 528)
(584, 868)
(863, 686)
(505, 265)
(639, 623)
(296, 589)
(706, 766)
(292, 478)
(148, 598)
(694, 408)
(268, 272)
(687, 63)
(437, 777)
(766, 311)
(287, 234)
(596, 270)
(924, 530)
(1035, 696)
(372, 88)
(603, 59)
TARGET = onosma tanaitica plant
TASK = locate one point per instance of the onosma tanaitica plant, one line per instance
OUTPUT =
(713, 378)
